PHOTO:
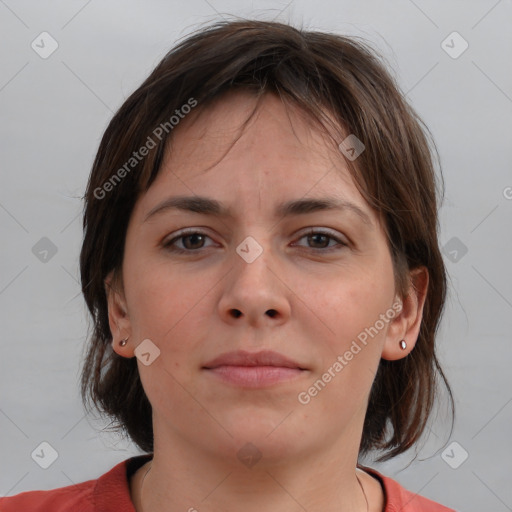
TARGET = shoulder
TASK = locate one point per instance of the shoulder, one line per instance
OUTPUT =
(109, 492)
(74, 497)
(399, 499)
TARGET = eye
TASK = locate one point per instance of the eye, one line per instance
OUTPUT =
(320, 238)
(192, 241)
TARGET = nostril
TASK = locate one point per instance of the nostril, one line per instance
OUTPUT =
(272, 313)
(236, 313)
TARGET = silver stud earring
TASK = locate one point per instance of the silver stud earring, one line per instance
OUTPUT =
(123, 342)
(403, 345)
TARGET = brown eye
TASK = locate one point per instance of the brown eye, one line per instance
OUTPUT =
(320, 240)
(191, 241)
(196, 241)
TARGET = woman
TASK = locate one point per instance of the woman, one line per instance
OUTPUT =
(295, 333)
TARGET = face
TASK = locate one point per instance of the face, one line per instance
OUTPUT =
(307, 284)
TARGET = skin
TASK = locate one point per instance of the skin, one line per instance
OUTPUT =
(322, 299)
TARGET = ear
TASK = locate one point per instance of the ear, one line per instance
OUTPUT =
(406, 324)
(118, 318)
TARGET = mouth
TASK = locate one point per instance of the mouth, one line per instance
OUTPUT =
(253, 370)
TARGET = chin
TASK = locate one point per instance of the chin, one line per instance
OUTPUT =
(271, 434)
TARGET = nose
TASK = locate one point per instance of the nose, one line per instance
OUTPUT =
(255, 292)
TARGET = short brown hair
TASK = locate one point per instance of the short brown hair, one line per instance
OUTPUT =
(318, 73)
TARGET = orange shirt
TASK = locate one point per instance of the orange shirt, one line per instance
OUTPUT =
(111, 493)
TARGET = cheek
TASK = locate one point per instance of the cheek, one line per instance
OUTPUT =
(353, 301)
(166, 305)
(352, 335)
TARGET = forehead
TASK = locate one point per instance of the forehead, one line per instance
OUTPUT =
(239, 123)
(277, 154)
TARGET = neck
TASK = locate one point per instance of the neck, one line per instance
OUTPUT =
(177, 481)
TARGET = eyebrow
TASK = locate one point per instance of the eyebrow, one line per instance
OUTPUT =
(208, 206)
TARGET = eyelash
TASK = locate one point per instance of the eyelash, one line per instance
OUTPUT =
(170, 245)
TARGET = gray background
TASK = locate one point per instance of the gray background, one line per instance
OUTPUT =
(54, 112)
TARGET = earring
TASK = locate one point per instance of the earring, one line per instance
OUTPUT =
(403, 345)
(123, 342)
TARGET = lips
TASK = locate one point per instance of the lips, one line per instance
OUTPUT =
(254, 369)
(244, 358)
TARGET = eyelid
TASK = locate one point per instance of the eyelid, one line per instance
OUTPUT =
(185, 232)
(325, 231)
(340, 239)
(306, 231)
